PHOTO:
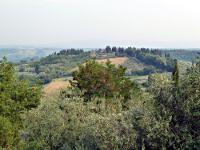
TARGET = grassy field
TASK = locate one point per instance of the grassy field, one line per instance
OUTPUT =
(115, 61)
(56, 85)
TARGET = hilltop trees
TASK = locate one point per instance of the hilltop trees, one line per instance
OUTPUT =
(150, 57)
(108, 49)
(70, 52)
(16, 97)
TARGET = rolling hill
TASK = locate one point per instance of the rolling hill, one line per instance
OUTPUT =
(63, 63)
(19, 54)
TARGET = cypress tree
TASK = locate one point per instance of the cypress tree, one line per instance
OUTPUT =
(175, 74)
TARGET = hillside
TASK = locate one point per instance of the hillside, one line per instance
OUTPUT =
(50, 67)
(57, 67)
(17, 54)
(61, 64)
(101, 103)
(183, 55)
(25, 53)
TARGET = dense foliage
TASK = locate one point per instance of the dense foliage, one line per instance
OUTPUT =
(16, 97)
(166, 116)
(98, 80)
(103, 109)
(177, 102)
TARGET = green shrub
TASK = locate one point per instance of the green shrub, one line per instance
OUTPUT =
(7, 133)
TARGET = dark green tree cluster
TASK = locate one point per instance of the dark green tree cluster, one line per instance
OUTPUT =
(70, 52)
(130, 51)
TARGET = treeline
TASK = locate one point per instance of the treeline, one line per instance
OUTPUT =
(158, 60)
(70, 52)
(130, 51)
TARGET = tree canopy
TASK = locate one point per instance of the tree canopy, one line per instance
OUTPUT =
(95, 79)
(16, 97)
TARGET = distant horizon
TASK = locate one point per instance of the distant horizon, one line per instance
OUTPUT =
(89, 23)
(75, 47)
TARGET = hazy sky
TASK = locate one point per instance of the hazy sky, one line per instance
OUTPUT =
(97, 23)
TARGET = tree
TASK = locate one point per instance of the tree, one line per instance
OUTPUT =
(16, 97)
(108, 49)
(114, 49)
(37, 68)
(21, 69)
(130, 51)
(175, 74)
(190, 106)
(94, 79)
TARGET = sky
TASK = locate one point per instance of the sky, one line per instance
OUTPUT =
(97, 23)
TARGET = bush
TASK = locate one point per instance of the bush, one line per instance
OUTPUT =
(7, 133)
(68, 123)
